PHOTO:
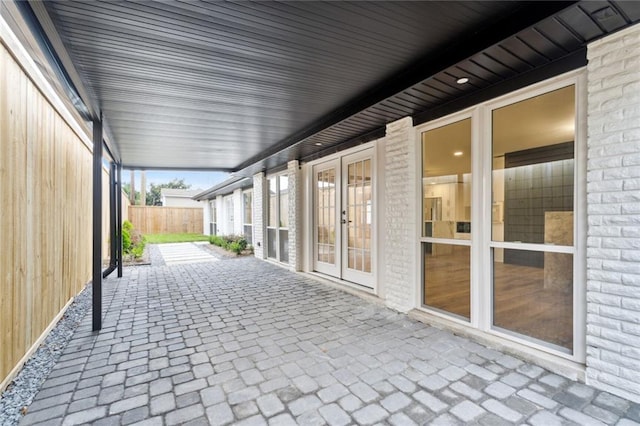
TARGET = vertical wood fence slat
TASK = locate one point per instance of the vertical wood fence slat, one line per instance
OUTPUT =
(45, 226)
(166, 220)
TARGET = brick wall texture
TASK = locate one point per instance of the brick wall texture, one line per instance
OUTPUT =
(613, 188)
(399, 230)
(295, 208)
(258, 215)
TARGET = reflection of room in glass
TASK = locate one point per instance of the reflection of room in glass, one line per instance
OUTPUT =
(533, 197)
(446, 278)
(446, 214)
(326, 193)
(359, 216)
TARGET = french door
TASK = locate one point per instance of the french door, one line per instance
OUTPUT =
(344, 218)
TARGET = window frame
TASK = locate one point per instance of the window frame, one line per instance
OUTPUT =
(481, 239)
(277, 228)
(246, 224)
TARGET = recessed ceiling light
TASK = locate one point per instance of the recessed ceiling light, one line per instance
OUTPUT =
(458, 153)
(318, 143)
(462, 80)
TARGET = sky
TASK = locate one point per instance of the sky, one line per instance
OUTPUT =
(197, 180)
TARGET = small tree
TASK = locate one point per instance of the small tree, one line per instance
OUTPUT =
(126, 188)
(154, 196)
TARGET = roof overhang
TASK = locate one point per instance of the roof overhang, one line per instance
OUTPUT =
(245, 87)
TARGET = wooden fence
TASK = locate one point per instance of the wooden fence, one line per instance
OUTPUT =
(45, 203)
(166, 220)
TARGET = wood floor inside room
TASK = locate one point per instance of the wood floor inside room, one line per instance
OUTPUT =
(521, 302)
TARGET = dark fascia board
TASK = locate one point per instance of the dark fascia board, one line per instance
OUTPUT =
(224, 187)
(261, 166)
(573, 61)
(378, 133)
(128, 166)
(458, 50)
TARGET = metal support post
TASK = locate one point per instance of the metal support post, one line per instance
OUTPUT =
(97, 225)
(119, 224)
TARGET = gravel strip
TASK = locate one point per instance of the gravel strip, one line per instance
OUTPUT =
(25, 386)
(23, 389)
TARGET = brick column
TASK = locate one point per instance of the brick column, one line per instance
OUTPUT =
(259, 181)
(399, 234)
(613, 200)
(295, 212)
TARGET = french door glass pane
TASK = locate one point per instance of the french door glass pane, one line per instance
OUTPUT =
(325, 204)
(273, 211)
(446, 278)
(359, 220)
(533, 301)
(284, 201)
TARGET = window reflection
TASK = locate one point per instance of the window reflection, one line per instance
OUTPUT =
(446, 181)
(533, 301)
(446, 278)
(532, 202)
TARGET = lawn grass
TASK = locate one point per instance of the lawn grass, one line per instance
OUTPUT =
(174, 238)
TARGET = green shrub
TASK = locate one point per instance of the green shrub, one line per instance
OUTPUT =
(127, 227)
(133, 241)
(234, 243)
(217, 240)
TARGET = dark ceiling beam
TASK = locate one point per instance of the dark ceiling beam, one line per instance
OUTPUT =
(458, 50)
(71, 75)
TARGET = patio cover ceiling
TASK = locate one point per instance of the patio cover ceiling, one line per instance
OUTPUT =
(247, 86)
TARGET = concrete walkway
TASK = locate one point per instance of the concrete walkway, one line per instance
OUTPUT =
(245, 342)
(183, 253)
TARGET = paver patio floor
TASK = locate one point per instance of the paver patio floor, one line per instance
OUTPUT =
(245, 342)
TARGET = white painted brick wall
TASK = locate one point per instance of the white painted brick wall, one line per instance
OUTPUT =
(399, 231)
(613, 200)
(258, 215)
(295, 215)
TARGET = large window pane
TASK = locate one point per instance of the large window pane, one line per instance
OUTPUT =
(532, 202)
(446, 214)
(446, 181)
(284, 245)
(446, 278)
(535, 301)
(271, 243)
(533, 168)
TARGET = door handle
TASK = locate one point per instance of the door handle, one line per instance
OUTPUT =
(344, 221)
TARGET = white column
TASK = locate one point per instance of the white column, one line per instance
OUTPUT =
(400, 212)
(259, 181)
(613, 200)
(295, 220)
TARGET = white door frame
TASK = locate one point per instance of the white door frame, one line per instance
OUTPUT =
(338, 270)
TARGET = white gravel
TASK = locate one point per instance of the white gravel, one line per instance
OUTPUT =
(25, 386)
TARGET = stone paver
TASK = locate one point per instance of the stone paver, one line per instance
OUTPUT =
(241, 341)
